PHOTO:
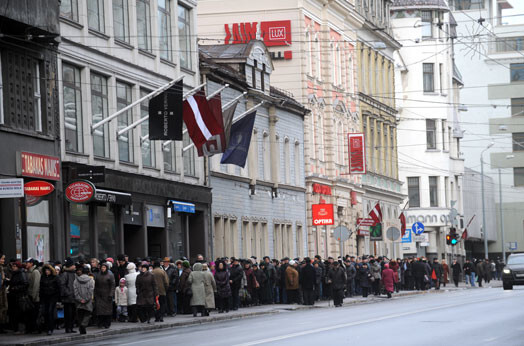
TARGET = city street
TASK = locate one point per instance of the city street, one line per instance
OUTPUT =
(488, 316)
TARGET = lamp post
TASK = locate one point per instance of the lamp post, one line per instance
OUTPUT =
(484, 228)
(501, 220)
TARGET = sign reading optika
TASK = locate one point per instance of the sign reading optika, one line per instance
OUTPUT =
(322, 214)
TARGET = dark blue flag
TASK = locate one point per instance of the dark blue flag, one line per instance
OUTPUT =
(239, 140)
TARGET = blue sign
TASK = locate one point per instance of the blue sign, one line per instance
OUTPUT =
(183, 207)
(418, 228)
(407, 237)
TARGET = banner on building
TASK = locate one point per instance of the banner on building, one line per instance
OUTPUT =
(165, 114)
(375, 232)
(238, 147)
(357, 153)
(323, 214)
(200, 120)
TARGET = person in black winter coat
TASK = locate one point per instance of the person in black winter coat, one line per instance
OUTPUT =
(223, 287)
(365, 279)
(49, 295)
(308, 279)
(419, 270)
(318, 280)
(456, 272)
(235, 279)
(337, 279)
(66, 281)
(437, 268)
(17, 286)
(351, 273)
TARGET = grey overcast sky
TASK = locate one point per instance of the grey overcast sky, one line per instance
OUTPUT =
(518, 9)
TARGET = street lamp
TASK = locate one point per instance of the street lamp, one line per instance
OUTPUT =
(483, 202)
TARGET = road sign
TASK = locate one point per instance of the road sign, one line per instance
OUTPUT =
(366, 222)
(341, 233)
(418, 228)
(393, 233)
(407, 237)
(421, 238)
(512, 245)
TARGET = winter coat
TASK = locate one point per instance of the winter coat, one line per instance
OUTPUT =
(261, 277)
(338, 278)
(120, 273)
(456, 270)
(183, 286)
(196, 281)
(375, 270)
(210, 289)
(351, 271)
(66, 280)
(146, 290)
(445, 273)
(250, 280)
(271, 274)
(121, 296)
(418, 269)
(437, 268)
(49, 287)
(222, 282)
(131, 284)
(292, 278)
(162, 281)
(486, 270)
(33, 279)
(468, 268)
(18, 284)
(364, 276)
(83, 288)
(104, 292)
(173, 279)
(318, 275)
(308, 277)
(388, 279)
(236, 274)
(393, 265)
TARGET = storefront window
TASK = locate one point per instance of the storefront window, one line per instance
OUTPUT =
(79, 230)
(106, 232)
(38, 231)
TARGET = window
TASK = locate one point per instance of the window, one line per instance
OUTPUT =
(99, 112)
(433, 191)
(287, 162)
(309, 64)
(164, 29)
(121, 20)
(429, 78)
(254, 75)
(517, 72)
(350, 81)
(313, 136)
(339, 66)
(518, 176)
(143, 23)
(371, 148)
(37, 97)
(427, 24)
(69, 9)
(184, 36)
(414, 192)
(72, 108)
(508, 44)
(431, 138)
(441, 77)
(319, 58)
(446, 192)
(169, 153)
(148, 146)
(469, 4)
(517, 107)
(387, 157)
(300, 241)
(333, 63)
(125, 141)
(188, 155)
(95, 15)
(518, 141)
(320, 132)
(297, 163)
(266, 152)
(79, 235)
(444, 135)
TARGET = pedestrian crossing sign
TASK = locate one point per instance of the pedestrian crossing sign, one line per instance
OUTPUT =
(407, 237)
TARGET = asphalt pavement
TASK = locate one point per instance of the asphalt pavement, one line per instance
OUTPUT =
(482, 316)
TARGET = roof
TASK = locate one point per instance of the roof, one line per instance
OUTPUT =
(456, 74)
(226, 51)
(398, 4)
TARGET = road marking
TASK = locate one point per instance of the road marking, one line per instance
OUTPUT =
(350, 324)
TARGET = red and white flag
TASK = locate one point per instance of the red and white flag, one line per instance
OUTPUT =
(199, 119)
(402, 218)
(376, 213)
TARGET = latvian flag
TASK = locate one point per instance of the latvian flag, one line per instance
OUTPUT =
(200, 122)
(376, 213)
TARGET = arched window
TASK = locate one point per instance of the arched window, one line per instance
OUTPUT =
(287, 162)
(318, 54)
(339, 65)
(308, 54)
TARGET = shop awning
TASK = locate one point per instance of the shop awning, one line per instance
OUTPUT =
(115, 197)
(183, 207)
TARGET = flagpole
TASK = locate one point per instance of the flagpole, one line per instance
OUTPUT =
(247, 112)
(126, 108)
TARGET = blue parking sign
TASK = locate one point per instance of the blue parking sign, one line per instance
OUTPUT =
(417, 228)
(407, 237)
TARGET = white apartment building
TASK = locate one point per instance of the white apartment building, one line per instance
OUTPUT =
(427, 92)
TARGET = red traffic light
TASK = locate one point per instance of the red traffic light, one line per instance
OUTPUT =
(448, 239)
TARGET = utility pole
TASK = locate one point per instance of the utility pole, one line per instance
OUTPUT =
(501, 219)
(484, 228)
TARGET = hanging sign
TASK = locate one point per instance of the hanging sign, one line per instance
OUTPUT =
(80, 191)
(323, 214)
(357, 153)
(38, 166)
(38, 188)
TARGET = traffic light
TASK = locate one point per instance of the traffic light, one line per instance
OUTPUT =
(454, 236)
(448, 239)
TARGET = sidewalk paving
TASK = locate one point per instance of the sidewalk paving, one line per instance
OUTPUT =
(185, 320)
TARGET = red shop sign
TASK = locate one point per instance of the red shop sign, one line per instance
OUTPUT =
(322, 189)
(357, 153)
(39, 166)
(323, 214)
(81, 191)
(273, 33)
(38, 188)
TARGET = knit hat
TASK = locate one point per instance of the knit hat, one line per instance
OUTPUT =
(85, 270)
(292, 262)
(123, 280)
(131, 266)
(186, 264)
(109, 259)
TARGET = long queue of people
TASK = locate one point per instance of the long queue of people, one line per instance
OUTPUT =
(37, 297)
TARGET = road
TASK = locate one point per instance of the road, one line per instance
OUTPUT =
(482, 316)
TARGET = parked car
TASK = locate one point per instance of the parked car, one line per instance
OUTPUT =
(513, 272)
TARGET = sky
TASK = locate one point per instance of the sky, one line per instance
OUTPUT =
(518, 8)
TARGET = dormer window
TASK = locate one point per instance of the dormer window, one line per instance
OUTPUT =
(254, 75)
(262, 74)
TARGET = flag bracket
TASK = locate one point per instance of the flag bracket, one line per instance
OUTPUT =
(126, 108)
(248, 111)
